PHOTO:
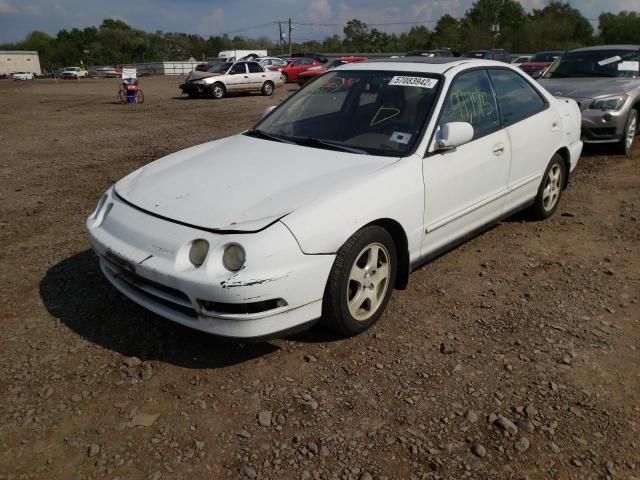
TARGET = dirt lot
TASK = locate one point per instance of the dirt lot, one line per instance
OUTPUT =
(535, 322)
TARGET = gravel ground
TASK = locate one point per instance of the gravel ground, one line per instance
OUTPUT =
(513, 356)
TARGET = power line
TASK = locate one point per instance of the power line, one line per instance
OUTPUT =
(413, 22)
(251, 27)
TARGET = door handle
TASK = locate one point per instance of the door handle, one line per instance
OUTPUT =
(246, 76)
(498, 149)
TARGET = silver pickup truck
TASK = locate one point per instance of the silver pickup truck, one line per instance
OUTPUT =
(605, 81)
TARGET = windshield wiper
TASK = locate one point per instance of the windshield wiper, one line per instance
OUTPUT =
(317, 142)
(257, 133)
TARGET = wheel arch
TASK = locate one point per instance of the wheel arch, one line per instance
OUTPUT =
(401, 243)
(566, 156)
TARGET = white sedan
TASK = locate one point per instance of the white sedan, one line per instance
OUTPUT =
(22, 76)
(334, 197)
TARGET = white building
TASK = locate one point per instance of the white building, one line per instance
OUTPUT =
(19, 61)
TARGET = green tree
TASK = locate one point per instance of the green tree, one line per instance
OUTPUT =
(447, 33)
(558, 26)
(493, 23)
(621, 28)
(356, 34)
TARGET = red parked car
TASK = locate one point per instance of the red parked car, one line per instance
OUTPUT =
(540, 61)
(297, 66)
(313, 72)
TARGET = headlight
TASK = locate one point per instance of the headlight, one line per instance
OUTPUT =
(198, 252)
(234, 257)
(609, 103)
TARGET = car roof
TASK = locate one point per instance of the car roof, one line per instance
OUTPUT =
(607, 47)
(438, 65)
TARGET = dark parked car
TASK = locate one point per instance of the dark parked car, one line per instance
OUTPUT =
(495, 54)
(605, 81)
(437, 52)
(315, 56)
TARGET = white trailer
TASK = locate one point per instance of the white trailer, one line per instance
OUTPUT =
(233, 55)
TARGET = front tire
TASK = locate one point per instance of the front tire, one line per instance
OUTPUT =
(217, 91)
(360, 282)
(267, 89)
(550, 189)
(630, 130)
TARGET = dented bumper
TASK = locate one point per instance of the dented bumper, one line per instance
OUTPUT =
(147, 259)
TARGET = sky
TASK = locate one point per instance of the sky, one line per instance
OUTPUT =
(242, 17)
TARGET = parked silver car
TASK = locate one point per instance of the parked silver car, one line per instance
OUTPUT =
(605, 81)
(223, 78)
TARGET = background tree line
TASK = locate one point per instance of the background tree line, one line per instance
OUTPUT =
(487, 24)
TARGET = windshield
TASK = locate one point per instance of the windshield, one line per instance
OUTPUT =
(220, 68)
(546, 57)
(596, 63)
(373, 112)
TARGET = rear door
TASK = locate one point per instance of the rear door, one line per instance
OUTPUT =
(465, 187)
(257, 75)
(533, 128)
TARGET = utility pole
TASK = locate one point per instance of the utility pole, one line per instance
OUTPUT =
(290, 28)
(280, 37)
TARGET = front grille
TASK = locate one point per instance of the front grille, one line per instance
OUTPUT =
(153, 291)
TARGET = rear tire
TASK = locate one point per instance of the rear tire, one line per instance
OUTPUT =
(217, 91)
(139, 96)
(550, 189)
(361, 281)
(630, 130)
(267, 88)
(122, 97)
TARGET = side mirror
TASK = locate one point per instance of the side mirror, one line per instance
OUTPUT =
(454, 134)
(267, 111)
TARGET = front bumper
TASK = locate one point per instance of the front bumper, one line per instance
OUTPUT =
(603, 126)
(146, 258)
(194, 88)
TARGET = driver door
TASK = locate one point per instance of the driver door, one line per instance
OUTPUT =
(465, 187)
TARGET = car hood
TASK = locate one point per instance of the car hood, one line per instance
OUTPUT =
(195, 75)
(242, 183)
(588, 87)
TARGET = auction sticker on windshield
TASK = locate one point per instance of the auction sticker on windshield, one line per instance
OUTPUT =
(628, 66)
(421, 82)
(609, 60)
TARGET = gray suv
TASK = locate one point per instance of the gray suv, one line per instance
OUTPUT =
(605, 81)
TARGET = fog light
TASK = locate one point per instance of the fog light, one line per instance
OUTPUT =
(234, 257)
(198, 252)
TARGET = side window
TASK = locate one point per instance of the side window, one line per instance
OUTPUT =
(254, 67)
(517, 99)
(239, 68)
(470, 99)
